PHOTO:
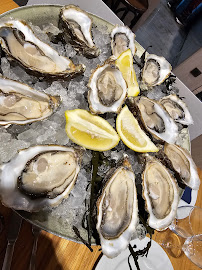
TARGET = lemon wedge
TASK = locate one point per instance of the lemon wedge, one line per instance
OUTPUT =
(125, 64)
(90, 131)
(131, 133)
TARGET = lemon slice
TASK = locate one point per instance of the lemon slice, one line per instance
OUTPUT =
(131, 133)
(90, 131)
(125, 63)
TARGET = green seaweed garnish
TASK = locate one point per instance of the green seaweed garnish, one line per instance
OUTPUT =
(95, 161)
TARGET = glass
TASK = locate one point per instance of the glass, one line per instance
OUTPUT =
(193, 249)
(187, 222)
(187, 225)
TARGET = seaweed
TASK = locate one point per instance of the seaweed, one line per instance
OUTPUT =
(95, 160)
(170, 81)
(140, 61)
(141, 252)
(76, 231)
(132, 253)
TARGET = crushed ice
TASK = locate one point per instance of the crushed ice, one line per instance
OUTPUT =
(52, 130)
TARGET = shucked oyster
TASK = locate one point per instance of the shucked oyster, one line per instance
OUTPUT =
(108, 89)
(154, 118)
(117, 211)
(19, 42)
(161, 194)
(39, 177)
(20, 104)
(122, 38)
(183, 164)
(177, 109)
(77, 25)
(156, 70)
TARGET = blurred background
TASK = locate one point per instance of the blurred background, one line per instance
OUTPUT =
(174, 30)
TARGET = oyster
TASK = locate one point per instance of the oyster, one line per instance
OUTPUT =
(117, 211)
(77, 25)
(155, 119)
(177, 109)
(19, 42)
(21, 104)
(108, 89)
(122, 38)
(183, 164)
(39, 177)
(161, 194)
(156, 69)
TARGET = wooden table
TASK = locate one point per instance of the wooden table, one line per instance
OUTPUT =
(57, 253)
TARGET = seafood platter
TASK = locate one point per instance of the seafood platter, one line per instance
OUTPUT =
(94, 136)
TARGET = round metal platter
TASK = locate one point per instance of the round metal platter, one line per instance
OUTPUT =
(39, 15)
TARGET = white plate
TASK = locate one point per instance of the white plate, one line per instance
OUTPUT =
(157, 259)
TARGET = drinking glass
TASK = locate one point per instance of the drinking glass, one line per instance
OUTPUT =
(188, 225)
(187, 222)
(193, 249)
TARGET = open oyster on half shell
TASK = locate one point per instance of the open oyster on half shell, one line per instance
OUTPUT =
(39, 177)
(20, 43)
(161, 194)
(21, 104)
(77, 25)
(154, 118)
(108, 89)
(156, 69)
(117, 210)
(122, 38)
(177, 109)
(183, 164)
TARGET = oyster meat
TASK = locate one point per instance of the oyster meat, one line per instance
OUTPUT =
(77, 26)
(19, 42)
(122, 38)
(39, 177)
(183, 164)
(117, 211)
(108, 89)
(161, 194)
(177, 109)
(156, 69)
(154, 118)
(21, 104)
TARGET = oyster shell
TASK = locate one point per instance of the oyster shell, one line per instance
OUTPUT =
(183, 164)
(19, 42)
(122, 38)
(117, 211)
(77, 25)
(39, 177)
(177, 109)
(161, 194)
(108, 89)
(21, 104)
(155, 119)
(156, 69)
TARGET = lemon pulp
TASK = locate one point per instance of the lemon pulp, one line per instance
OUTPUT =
(131, 133)
(90, 131)
(125, 64)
